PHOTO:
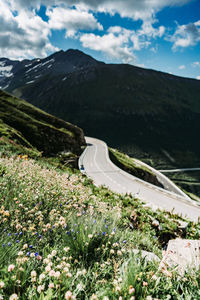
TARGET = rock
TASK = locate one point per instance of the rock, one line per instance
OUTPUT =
(148, 256)
(182, 256)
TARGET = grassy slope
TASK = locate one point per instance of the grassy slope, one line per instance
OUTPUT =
(60, 233)
(188, 181)
(133, 167)
(29, 126)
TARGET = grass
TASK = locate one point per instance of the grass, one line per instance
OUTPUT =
(133, 167)
(29, 126)
(64, 238)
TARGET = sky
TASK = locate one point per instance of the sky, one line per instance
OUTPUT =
(162, 35)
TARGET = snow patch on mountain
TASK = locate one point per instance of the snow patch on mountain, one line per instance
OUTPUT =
(5, 71)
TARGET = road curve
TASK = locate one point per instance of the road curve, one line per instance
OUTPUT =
(95, 163)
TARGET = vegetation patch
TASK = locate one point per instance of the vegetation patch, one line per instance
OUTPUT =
(27, 125)
(133, 167)
(64, 238)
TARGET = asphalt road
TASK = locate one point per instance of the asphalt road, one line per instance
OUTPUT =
(95, 163)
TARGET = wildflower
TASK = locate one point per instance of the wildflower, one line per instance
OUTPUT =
(119, 253)
(25, 246)
(66, 249)
(40, 288)
(33, 274)
(20, 253)
(32, 255)
(52, 273)
(90, 236)
(41, 277)
(1, 284)
(68, 295)
(57, 274)
(117, 289)
(51, 285)
(144, 283)
(94, 297)
(53, 253)
(131, 290)
(112, 251)
(11, 268)
(48, 268)
(13, 297)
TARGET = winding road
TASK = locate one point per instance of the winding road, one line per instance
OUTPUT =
(95, 163)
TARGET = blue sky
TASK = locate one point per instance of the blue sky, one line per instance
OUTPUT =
(156, 34)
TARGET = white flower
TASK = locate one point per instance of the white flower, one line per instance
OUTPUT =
(13, 297)
(40, 288)
(66, 249)
(68, 295)
(48, 268)
(119, 253)
(90, 236)
(41, 277)
(1, 284)
(53, 253)
(57, 274)
(33, 274)
(20, 253)
(52, 273)
(51, 285)
(10, 269)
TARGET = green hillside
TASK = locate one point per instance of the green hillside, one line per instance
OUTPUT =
(64, 238)
(22, 124)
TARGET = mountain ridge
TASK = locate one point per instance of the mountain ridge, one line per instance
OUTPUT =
(144, 113)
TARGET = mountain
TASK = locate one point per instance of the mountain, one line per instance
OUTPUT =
(148, 114)
(23, 124)
(14, 74)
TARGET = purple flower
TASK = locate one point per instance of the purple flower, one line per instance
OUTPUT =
(4, 245)
(104, 233)
(17, 241)
(28, 253)
(9, 234)
(9, 244)
(21, 233)
(124, 242)
(36, 254)
(31, 246)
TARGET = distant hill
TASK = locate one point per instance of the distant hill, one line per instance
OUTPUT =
(151, 115)
(26, 125)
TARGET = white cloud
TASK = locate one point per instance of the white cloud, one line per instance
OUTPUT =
(186, 35)
(136, 9)
(196, 64)
(23, 35)
(115, 46)
(72, 20)
(182, 67)
(198, 77)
